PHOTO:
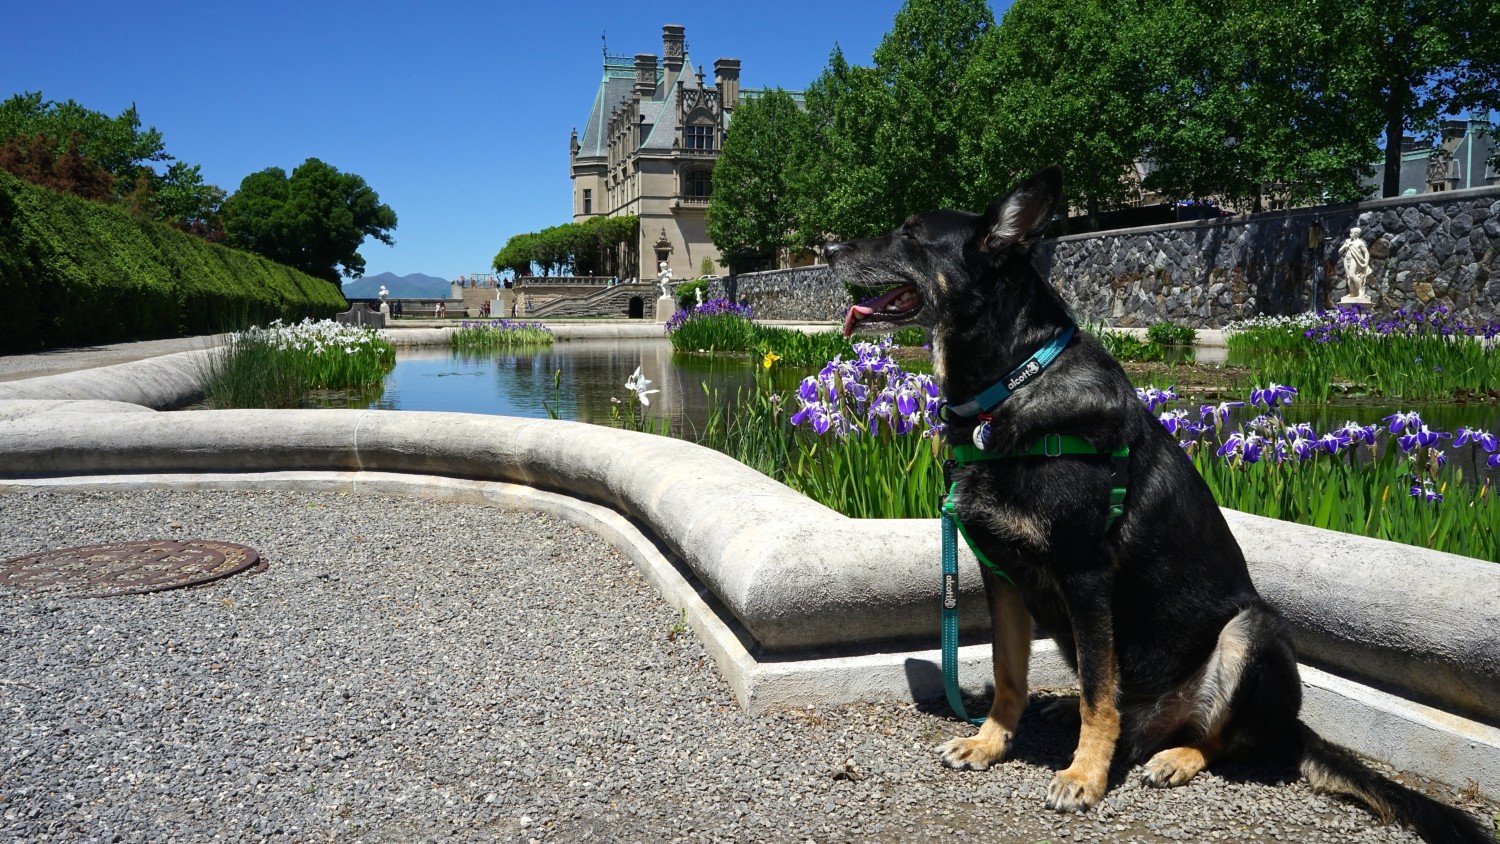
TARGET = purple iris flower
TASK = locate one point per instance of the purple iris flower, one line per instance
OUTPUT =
(906, 401)
(1423, 437)
(1246, 448)
(801, 415)
(1424, 489)
(1172, 419)
(808, 389)
(1154, 397)
(1354, 432)
(1481, 438)
(1218, 412)
(1301, 446)
(1273, 395)
(1263, 423)
(1403, 421)
(1493, 462)
(1332, 442)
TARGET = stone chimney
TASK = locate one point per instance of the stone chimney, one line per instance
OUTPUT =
(727, 80)
(645, 74)
(672, 47)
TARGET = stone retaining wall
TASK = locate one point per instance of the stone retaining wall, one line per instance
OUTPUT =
(1426, 250)
(803, 293)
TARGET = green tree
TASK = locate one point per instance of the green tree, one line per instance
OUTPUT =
(1241, 97)
(886, 141)
(187, 202)
(315, 220)
(119, 144)
(597, 246)
(1060, 85)
(1417, 61)
(751, 213)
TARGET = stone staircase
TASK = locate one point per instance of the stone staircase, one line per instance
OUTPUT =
(608, 301)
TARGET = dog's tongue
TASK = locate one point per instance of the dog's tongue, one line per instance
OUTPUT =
(856, 313)
(859, 312)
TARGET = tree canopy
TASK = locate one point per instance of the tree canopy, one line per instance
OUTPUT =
(597, 246)
(118, 143)
(315, 220)
(752, 213)
(1197, 99)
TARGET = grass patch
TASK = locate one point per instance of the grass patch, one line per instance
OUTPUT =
(276, 366)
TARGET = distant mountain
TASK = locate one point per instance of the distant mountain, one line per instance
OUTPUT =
(414, 286)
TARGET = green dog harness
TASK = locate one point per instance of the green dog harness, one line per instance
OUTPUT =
(1051, 445)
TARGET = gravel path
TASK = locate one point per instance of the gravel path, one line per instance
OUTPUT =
(412, 671)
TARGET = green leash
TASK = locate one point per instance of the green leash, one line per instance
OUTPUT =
(1052, 445)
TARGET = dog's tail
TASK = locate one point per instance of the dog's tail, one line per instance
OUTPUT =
(1331, 768)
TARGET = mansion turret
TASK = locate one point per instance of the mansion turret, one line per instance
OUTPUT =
(649, 147)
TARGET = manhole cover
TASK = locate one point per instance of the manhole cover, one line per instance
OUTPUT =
(126, 568)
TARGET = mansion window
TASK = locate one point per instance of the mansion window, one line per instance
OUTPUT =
(588, 201)
(698, 137)
(698, 183)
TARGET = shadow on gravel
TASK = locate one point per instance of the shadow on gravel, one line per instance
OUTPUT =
(1047, 737)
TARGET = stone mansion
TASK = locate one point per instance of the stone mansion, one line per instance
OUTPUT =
(649, 146)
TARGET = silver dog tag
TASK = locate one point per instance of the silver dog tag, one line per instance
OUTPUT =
(981, 435)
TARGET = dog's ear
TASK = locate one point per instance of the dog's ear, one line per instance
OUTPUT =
(1021, 216)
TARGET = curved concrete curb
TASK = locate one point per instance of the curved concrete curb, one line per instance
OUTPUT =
(1409, 736)
(797, 575)
(162, 382)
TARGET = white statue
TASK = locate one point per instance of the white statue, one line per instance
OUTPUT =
(384, 293)
(1356, 257)
(698, 291)
(663, 278)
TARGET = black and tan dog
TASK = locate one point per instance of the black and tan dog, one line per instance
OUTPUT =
(1180, 661)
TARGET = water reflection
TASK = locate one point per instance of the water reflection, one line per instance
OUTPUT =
(588, 375)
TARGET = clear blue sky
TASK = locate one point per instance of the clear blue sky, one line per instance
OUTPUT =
(456, 113)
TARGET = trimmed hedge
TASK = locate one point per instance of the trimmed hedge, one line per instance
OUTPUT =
(75, 272)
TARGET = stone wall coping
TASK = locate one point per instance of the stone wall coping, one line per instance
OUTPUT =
(1442, 197)
(797, 575)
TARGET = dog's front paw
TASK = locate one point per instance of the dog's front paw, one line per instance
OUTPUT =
(1073, 790)
(977, 753)
(1174, 766)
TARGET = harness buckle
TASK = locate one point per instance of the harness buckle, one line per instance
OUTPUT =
(1052, 445)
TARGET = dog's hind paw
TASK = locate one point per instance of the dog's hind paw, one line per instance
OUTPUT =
(1174, 766)
(1072, 791)
(977, 753)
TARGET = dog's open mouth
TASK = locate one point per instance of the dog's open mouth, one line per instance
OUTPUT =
(895, 304)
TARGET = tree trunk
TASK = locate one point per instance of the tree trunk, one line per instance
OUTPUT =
(1395, 121)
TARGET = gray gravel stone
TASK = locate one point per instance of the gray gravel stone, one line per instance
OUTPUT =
(411, 671)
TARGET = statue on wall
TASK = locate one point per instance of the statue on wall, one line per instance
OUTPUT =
(664, 278)
(698, 291)
(1356, 257)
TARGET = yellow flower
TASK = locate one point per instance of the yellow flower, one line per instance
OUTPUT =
(771, 357)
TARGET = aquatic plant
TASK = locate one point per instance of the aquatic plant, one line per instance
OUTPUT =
(1412, 355)
(277, 365)
(499, 334)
